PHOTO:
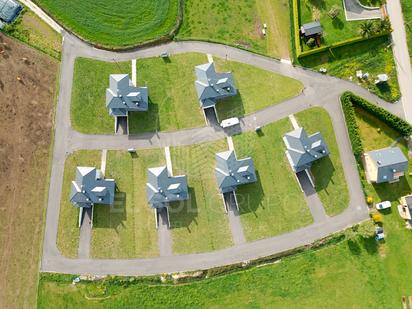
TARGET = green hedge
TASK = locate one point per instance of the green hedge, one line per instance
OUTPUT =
(351, 124)
(393, 121)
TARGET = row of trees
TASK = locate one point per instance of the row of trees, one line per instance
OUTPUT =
(370, 28)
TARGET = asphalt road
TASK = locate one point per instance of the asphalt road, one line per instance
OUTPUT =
(320, 90)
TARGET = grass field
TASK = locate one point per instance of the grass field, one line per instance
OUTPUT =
(223, 24)
(328, 172)
(123, 24)
(171, 98)
(349, 274)
(275, 203)
(373, 56)
(334, 30)
(257, 89)
(200, 224)
(374, 139)
(128, 229)
(30, 29)
(91, 78)
(68, 231)
(407, 17)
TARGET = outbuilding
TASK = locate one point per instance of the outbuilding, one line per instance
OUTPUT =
(9, 10)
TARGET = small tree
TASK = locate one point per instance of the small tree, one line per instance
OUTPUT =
(366, 29)
(385, 25)
(377, 217)
(334, 11)
(369, 200)
(350, 234)
(311, 42)
(366, 229)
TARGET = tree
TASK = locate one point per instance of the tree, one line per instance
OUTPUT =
(385, 25)
(366, 29)
(334, 11)
(377, 217)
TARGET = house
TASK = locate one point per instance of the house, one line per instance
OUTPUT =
(123, 97)
(385, 165)
(311, 30)
(212, 86)
(91, 188)
(405, 209)
(162, 188)
(231, 172)
(303, 150)
(9, 10)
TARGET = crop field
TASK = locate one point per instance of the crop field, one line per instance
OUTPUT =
(115, 25)
(26, 121)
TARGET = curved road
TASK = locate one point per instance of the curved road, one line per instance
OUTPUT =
(320, 90)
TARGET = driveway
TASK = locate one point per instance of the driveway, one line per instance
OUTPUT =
(355, 11)
(320, 90)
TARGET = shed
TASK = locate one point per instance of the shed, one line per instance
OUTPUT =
(311, 29)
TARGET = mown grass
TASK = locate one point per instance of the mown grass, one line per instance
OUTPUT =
(328, 172)
(376, 135)
(68, 231)
(257, 89)
(127, 229)
(239, 23)
(378, 276)
(172, 94)
(373, 56)
(30, 29)
(407, 17)
(115, 25)
(274, 204)
(199, 224)
(334, 30)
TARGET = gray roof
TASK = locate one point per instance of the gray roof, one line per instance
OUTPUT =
(9, 9)
(162, 188)
(91, 188)
(312, 28)
(388, 161)
(231, 172)
(303, 150)
(212, 86)
(123, 97)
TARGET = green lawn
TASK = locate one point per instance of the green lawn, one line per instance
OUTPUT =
(30, 29)
(172, 99)
(265, 89)
(374, 139)
(274, 204)
(328, 172)
(68, 231)
(128, 229)
(349, 274)
(199, 224)
(407, 16)
(373, 57)
(239, 23)
(115, 25)
(334, 30)
(91, 78)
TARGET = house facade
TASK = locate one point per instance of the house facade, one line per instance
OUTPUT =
(231, 172)
(162, 188)
(385, 165)
(91, 188)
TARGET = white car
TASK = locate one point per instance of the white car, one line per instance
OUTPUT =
(383, 205)
(230, 122)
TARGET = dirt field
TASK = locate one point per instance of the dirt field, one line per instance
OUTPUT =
(27, 96)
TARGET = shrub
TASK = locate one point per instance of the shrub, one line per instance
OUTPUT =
(352, 125)
(369, 200)
(393, 121)
(377, 217)
(311, 42)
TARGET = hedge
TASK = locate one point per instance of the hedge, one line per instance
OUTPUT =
(393, 121)
(352, 125)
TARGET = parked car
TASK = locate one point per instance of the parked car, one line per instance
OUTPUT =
(230, 122)
(379, 233)
(383, 205)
